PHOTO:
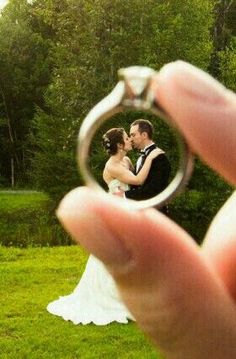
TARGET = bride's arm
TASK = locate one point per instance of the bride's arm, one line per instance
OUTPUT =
(126, 176)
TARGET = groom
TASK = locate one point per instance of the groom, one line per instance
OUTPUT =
(141, 134)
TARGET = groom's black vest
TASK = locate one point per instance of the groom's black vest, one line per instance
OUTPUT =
(157, 179)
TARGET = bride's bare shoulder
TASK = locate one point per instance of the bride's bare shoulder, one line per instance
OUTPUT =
(110, 163)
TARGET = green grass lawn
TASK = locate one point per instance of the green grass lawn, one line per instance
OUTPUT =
(15, 200)
(31, 278)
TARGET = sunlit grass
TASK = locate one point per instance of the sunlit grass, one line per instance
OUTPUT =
(13, 200)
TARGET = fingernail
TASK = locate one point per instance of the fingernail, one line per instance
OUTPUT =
(193, 81)
(89, 230)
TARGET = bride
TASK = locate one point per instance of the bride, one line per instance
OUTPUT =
(96, 298)
(118, 172)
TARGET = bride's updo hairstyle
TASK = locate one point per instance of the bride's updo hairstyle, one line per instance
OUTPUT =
(112, 138)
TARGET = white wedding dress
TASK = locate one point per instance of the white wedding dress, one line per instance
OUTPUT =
(96, 298)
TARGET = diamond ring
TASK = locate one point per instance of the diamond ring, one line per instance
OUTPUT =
(132, 92)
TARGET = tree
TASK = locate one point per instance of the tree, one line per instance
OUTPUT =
(223, 31)
(95, 38)
(227, 65)
(24, 74)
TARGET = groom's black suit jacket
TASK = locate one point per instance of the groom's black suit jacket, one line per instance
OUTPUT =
(156, 181)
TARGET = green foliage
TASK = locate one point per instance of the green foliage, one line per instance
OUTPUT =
(223, 30)
(54, 167)
(27, 219)
(196, 207)
(33, 277)
(194, 210)
(24, 75)
(228, 65)
(86, 61)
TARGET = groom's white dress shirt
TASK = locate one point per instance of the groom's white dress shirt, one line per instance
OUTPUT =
(143, 154)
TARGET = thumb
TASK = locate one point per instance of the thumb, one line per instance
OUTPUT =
(174, 296)
(204, 111)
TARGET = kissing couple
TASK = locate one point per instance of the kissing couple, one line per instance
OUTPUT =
(149, 176)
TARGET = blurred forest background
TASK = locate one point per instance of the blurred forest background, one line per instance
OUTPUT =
(58, 58)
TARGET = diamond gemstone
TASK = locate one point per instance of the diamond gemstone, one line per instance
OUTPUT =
(136, 77)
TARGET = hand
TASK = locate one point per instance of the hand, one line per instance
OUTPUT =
(181, 295)
(119, 193)
(154, 153)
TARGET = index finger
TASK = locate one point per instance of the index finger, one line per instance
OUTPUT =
(204, 111)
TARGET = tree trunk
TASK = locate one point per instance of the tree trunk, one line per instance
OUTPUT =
(11, 137)
(12, 173)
